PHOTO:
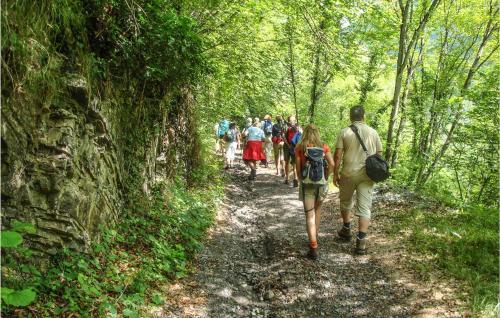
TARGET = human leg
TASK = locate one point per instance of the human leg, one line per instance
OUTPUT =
(222, 146)
(281, 159)
(286, 157)
(253, 166)
(364, 223)
(295, 181)
(364, 195)
(317, 216)
(346, 192)
(230, 153)
(268, 150)
(276, 157)
(310, 212)
(311, 226)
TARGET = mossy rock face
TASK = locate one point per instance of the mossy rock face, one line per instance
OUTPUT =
(59, 169)
(80, 131)
(63, 166)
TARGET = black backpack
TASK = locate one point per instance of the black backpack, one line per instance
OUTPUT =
(377, 168)
(277, 130)
(313, 171)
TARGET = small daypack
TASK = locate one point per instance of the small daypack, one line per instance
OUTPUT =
(313, 171)
(267, 127)
(223, 127)
(230, 135)
(377, 168)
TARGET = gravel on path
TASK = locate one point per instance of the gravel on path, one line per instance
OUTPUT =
(254, 264)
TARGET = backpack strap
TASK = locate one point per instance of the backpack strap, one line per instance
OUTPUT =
(356, 132)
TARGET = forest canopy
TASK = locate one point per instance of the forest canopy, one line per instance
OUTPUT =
(426, 72)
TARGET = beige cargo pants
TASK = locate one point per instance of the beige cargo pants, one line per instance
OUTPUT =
(363, 186)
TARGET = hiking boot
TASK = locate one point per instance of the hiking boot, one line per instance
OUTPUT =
(295, 183)
(312, 254)
(360, 246)
(345, 233)
(286, 181)
(282, 172)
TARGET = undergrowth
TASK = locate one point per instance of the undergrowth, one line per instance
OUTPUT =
(463, 243)
(151, 244)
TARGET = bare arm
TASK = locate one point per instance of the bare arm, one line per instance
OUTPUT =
(331, 164)
(297, 168)
(337, 157)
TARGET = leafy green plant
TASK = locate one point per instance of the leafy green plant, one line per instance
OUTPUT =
(152, 244)
(12, 240)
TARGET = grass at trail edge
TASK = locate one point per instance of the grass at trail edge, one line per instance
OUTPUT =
(462, 243)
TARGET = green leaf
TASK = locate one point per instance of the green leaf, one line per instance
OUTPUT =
(130, 313)
(23, 227)
(10, 239)
(6, 291)
(157, 299)
(18, 298)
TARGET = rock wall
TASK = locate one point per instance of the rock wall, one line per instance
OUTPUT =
(88, 104)
(60, 167)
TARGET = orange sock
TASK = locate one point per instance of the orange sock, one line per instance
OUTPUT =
(313, 244)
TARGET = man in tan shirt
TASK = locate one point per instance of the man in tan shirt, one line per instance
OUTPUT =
(353, 176)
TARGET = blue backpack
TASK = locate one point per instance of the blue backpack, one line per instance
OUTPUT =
(223, 127)
(295, 141)
(267, 127)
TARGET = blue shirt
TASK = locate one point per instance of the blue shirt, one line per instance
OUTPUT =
(255, 134)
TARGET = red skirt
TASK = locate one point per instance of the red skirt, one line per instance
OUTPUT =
(253, 151)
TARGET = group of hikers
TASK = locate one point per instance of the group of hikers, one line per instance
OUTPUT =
(301, 153)
(263, 141)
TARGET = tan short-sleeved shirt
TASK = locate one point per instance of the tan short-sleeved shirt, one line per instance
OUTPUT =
(353, 161)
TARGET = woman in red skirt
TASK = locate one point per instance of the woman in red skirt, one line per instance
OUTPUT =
(253, 149)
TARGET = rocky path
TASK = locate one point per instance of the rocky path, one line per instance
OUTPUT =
(254, 264)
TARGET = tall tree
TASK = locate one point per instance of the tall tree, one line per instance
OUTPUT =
(406, 46)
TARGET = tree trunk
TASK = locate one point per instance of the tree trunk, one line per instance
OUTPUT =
(292, 71)
(367, 86)
(476, 64)
(402, 122)
(314, 88)
(403, 33)
(403, 56)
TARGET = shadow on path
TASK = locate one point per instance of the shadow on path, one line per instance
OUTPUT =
(254, 266)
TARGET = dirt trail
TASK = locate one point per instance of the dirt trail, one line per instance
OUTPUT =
(254, 264)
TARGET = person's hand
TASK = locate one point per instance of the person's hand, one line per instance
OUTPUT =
(336, 180)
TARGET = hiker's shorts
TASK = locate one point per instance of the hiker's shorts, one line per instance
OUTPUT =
(287, 156)
(278, 151)
(317, 192)
(363, 186)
